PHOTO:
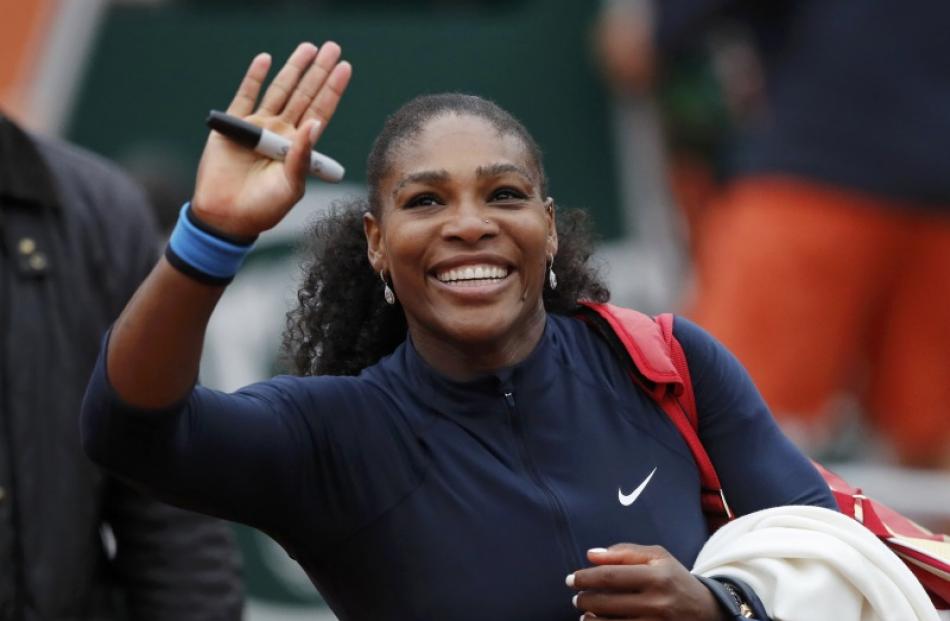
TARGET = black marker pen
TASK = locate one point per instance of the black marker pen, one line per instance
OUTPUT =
(269, 144)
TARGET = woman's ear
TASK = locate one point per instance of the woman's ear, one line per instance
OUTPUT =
(375, 251)
(550, 212)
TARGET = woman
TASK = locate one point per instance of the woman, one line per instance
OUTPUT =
(460, 472)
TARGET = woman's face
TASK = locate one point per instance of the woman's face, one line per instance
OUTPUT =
(465, 237)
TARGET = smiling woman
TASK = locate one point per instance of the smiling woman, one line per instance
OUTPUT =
(457, 440)
(457, 222)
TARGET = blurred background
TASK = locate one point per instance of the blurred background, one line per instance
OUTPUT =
(644, 114)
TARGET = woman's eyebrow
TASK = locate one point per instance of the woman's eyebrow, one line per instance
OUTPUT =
(425, 176)
(496, 170)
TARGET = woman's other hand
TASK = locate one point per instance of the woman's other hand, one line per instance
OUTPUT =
(630, 581)
(242, 193)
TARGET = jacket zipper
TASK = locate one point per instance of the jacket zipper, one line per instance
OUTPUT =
(554, 504)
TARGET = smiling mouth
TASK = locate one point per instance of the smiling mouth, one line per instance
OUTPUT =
(473, 275)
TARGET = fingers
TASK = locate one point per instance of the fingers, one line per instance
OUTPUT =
(246, 96)
(671, 592)
(612, 605)
(285, 82)
(620, 591)
(616, 585)
(614, 578)
(309, 86)
(326, 59)
(633, 581)
(626, 554)
(325, 103)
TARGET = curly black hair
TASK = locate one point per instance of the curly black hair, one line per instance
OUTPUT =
(342, 324)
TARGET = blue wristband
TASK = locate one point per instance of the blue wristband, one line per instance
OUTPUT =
(202, 255)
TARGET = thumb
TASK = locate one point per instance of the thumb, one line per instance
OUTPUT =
(627, 554)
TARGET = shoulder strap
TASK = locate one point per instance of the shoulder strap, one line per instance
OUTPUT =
(686, 397)
(657, 357)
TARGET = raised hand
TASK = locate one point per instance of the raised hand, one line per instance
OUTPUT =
(242, 193)
(640, 582)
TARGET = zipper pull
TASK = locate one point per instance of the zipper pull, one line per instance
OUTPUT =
(510, 399)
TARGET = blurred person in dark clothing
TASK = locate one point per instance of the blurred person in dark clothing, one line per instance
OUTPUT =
(76, 237)
(825, 265)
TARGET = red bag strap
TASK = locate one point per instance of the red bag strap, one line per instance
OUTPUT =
(659, 358)
(678, 357)
(713, 497)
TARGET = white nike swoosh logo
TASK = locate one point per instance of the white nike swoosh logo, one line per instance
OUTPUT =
(627, 499)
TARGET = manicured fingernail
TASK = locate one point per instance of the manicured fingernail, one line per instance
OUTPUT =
(574, 601)
(314, 130)
(597, 550)
(569, 581)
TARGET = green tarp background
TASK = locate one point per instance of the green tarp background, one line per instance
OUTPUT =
(157, 70)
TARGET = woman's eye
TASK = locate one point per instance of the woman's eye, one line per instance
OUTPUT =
(507, 194)
(422, 200)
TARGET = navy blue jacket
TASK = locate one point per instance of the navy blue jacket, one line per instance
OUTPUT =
(405, 495)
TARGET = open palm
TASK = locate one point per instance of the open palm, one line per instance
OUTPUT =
(242, 193)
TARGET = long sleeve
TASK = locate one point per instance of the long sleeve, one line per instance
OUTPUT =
(237, 456)
(307, 460)
(758, 466)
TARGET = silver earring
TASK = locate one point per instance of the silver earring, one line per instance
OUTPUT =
(388, 294)
(552, 277)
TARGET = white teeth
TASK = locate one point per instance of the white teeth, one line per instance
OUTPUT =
(473, 272)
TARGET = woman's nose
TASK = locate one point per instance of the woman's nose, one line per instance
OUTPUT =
(469, 223)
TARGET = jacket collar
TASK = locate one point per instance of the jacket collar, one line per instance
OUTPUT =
(25, 178)
(486, 392)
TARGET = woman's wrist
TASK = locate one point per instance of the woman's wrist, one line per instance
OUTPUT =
(203, 221)
(203, 252)
(736, 599)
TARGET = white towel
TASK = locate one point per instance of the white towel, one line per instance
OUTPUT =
(814, 564)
